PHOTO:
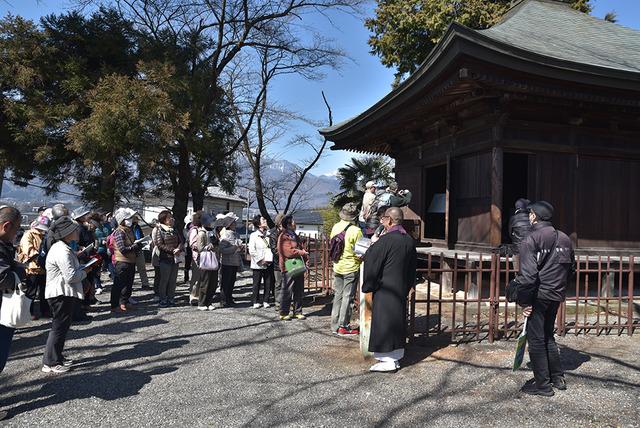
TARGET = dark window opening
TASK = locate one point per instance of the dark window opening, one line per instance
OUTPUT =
(515, 185)
(435, 202)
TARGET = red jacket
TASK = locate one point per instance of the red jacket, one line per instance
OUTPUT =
(289, 247)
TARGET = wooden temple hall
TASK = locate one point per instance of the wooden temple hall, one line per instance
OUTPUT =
(543, 105)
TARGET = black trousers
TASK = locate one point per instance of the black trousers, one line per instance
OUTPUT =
(122, 283)
(39, 283)
(62, 311)
(228, 277)
(292, 288)
(543, 351)
(208, 282)
(262, 277)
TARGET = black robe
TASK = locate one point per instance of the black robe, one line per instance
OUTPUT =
(389, 273)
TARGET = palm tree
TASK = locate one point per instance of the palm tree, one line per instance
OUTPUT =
(355, 175)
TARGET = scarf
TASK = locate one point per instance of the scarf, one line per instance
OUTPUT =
(397, 228)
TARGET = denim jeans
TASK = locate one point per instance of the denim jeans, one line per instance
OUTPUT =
(344, 290)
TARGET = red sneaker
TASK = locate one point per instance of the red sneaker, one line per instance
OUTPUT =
(346, 331)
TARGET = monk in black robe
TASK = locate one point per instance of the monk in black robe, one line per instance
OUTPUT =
(389, 273)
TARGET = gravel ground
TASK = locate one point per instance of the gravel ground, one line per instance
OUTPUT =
(241, 367)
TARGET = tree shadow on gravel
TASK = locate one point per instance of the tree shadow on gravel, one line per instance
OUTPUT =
(108, 385)
(418, 350)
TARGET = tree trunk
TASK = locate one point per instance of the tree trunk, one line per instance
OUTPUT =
(181, 192)
(2, 171)
(197, 195)
(108, 190)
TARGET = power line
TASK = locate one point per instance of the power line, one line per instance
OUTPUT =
(27, 184)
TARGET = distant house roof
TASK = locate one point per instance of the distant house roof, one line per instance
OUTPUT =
(217, 193)
(213, 193)
(544, 37)
(308, 217)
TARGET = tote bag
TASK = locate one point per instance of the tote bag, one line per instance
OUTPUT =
(208, 261)
(295, 267)
(15, 308)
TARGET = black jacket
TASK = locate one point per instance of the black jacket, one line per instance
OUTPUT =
(538, 265)
(274, 233)
(8, 267)
(519, 226)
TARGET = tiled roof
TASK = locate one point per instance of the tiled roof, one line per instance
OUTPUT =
(553, 29)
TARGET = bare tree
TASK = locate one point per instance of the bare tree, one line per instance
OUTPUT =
(208, 36)
(271, 121)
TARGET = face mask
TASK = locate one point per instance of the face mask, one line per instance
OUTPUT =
(128, 223)
(73, 245)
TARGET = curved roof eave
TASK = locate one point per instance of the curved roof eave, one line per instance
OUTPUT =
(427, 72)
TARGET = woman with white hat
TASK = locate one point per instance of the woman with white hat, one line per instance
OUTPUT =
(29, 254)
(63, 291)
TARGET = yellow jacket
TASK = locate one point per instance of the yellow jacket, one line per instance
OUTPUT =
(349, 262)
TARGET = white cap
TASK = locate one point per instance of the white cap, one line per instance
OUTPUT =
(370, 184)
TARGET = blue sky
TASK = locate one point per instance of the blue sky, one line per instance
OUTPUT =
(359, 83)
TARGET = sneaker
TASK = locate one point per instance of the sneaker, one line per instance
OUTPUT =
(203, 308)
(531, 388)
(285, 317)
(256, 305)
(346, 331)
(211, 308)
(67, 363)
(384, 367)
(163, 303)
(98, 291)
(55, 369)
(193, 302)
(559, 384)
(171, 302)
(266, 305)
(299, 317)
(133, 301)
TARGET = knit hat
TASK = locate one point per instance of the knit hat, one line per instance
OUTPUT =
(62, 227)
(123, 214)
(370, 184)
(349, 212)
(278, 219)
(542, 209)
(522, 203)
(42, 223)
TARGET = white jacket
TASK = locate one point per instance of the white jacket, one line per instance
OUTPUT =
(64, 276)
(259, 249)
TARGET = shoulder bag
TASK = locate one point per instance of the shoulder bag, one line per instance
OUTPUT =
(15, 307)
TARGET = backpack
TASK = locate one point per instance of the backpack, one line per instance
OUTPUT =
(110, 244)
(41, 258)
(336, 245)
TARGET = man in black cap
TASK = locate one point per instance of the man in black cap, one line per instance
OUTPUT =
(546, 260)
(519, 225)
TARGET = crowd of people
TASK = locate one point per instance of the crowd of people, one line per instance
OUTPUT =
(59, 262)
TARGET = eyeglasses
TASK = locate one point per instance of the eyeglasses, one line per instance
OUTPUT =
(385, 216)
